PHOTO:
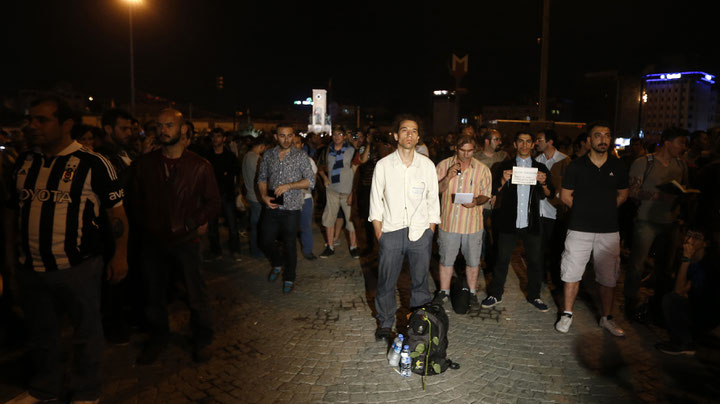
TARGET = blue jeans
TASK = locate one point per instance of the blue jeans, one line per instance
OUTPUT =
(255, 210)
(306, 236)
(77, 291)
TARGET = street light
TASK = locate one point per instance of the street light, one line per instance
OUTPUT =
(132, 3)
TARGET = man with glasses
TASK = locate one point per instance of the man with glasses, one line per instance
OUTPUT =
(490, 155)
(338, 175)
(593, 187)
(518, 216)
(461, 226)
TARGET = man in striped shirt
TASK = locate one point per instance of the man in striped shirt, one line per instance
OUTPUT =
(59, 190)
(461, 225)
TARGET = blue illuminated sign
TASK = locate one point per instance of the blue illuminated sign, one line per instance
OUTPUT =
(675, 76)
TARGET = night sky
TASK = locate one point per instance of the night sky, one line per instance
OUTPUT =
(372, 52)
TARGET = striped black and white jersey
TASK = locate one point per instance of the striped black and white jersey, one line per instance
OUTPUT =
(59, 200)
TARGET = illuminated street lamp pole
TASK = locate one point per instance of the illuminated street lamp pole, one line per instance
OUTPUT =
(131, 3)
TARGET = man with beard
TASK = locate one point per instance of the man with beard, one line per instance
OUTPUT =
(518, 216)
(115, 146)
(490, 155)
(283, 174)
(461, 226)
(227, 171)
(59, 189)
(174, 195)
(593, 187)
(404, 210)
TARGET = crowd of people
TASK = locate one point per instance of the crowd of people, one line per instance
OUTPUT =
(96, 217)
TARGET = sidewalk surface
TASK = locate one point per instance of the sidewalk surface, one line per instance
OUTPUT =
(317, 345)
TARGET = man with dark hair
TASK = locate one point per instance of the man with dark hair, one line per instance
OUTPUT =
(461, 226)
(250, 164)
(656, 218)
(283, 175)
(518, 216)
(338, 174)
(593, 187)
(581, 145)
(174, 195)
(552, 212)
(227, 171)
(491, 155)
(404, 210)
(115, 146)
(692, 309)
(59, 189)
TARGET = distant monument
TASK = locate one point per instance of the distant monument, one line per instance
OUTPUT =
(319, 120)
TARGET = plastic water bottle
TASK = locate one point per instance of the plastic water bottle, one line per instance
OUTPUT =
(394, 356)
(405, 362)
(397, 343)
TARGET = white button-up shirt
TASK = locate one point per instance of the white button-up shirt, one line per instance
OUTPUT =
(403, 196)
(546, 209)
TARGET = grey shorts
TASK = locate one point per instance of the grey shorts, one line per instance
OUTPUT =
(335, 202)
(605, 250)
(451, 243)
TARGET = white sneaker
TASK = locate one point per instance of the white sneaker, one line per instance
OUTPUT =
(608, 324)
(563, 325)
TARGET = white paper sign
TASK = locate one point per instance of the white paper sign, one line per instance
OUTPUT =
(463, 198)
(524, 175)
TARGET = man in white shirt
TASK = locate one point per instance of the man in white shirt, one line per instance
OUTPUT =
(553, 225)
(404, 210)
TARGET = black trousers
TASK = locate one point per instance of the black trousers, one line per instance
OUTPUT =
(505, 246)
(283, 224)
(183, 261)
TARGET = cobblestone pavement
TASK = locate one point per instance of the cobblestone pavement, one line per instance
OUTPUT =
(317, 345)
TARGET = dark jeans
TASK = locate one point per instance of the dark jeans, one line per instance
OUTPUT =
(505, 246)
(46, 295)
(306, 236)
(685, 321)
(552, 233)
(363, 201)
(394, 246)
(183, 262)
(664, 238)
(255, 211)
(283, 224)
(228, 212)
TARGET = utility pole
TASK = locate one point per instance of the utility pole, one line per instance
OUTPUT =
(544, 42)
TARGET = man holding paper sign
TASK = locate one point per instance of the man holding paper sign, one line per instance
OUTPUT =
(465, 185)
(523, 184)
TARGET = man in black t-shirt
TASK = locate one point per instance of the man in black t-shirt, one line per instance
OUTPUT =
(593, 187)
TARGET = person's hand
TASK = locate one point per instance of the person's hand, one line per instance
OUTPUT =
(117, 268)
(492, 201)
(326, 181)
(541, 178)
(281, 189)
(378, 234)
(349, 199)
(472, 204)
(507, 174)
(266, 199)
(688, 250)
(453, 170)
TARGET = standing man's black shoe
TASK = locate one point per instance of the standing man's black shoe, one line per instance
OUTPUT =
(383, 334)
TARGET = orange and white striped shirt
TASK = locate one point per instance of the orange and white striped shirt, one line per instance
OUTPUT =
(475, 179)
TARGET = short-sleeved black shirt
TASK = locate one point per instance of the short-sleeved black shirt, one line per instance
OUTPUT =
(595, 194)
